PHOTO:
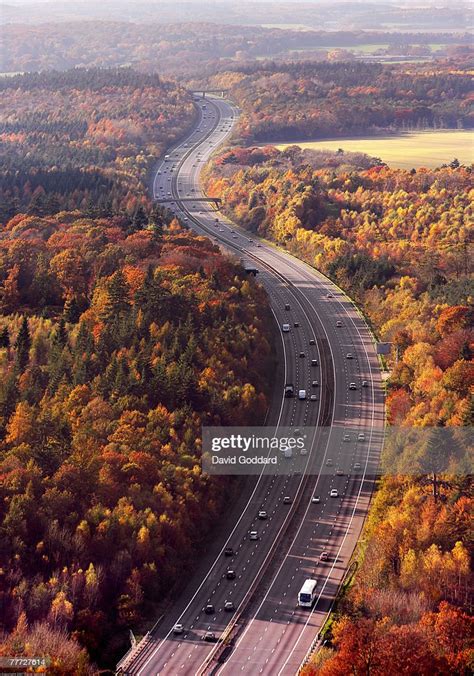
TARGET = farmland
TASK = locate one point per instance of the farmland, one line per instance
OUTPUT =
(404, 151)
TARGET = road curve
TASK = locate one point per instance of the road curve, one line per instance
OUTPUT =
(268, 633)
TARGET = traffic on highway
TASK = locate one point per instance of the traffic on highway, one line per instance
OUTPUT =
(258, 603)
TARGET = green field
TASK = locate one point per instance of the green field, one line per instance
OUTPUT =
(412, 149)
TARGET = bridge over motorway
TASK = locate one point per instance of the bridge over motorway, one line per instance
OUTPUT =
(201, 93)
(166, 200)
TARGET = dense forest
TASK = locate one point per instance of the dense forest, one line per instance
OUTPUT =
(115, 348)
(121, 333)
(296, 101)
(195, 49)
(84, 138)
(400, 242)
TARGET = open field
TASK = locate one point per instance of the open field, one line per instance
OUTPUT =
(412, 149)
(363, 49)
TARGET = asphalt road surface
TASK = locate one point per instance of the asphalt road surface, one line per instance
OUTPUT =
(266, 632)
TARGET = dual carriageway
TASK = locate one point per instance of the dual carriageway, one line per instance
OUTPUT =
(263, 631)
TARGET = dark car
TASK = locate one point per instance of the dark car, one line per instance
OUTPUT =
(228, 551)
(209, 609)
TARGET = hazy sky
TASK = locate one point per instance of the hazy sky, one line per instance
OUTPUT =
(400, 3)
(412, 3)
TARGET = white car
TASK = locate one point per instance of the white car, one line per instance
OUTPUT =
(178, 629)
(361, 436)
(316, 499)
(352, 386)
(262, 514)
(338, 323)
(334, 493)
(285, 328)
(301, 394)
(346, 437)
(253, 535)
(349, 355)
(357, 465)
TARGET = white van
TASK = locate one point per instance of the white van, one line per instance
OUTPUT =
(301, 394)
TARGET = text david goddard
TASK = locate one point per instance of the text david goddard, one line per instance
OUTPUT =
(243, 460)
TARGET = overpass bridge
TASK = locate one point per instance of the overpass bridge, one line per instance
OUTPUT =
(201, 93)
(167, 200)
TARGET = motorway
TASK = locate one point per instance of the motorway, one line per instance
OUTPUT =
(267, 633)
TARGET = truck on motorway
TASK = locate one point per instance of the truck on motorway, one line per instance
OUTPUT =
(307, 593)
